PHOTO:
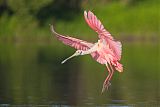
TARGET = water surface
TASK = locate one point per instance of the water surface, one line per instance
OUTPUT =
(32, 74)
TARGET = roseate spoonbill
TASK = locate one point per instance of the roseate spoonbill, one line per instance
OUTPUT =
(106, 51)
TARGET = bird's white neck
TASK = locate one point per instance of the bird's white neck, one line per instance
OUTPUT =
(91, 50)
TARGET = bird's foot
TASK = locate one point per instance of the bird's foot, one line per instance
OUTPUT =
(105, 86)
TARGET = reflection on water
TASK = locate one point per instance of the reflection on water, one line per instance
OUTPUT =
(32, 74)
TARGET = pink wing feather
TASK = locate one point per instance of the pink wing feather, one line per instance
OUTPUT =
(73, 42)
(97, 26)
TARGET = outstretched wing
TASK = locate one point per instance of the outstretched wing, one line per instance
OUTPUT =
(73, 42)
(97, 26)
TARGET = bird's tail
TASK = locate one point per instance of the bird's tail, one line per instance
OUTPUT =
(119, 67)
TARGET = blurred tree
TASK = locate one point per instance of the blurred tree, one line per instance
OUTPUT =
(4, 7)
(130, 2)
(42, 9)
(59, 9)
(25, 7)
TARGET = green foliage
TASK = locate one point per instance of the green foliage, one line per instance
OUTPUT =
(118, 17)
(15, 25)
(27, 6)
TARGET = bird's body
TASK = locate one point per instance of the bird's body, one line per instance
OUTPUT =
(106, 51)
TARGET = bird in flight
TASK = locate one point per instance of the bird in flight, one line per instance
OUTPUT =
(106, 50)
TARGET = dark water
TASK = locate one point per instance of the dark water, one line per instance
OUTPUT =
(31, 74)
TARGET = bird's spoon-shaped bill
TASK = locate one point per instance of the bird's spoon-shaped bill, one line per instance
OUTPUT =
(75, 54)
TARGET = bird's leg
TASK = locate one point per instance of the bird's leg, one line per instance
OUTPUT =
(107, 83)
(111, 71)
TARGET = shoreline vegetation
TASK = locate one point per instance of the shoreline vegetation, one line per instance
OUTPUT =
(46, 40)
(123, 20)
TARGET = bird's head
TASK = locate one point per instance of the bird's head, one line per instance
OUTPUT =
(79, 52)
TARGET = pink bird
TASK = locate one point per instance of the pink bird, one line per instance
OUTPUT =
(106, 51)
